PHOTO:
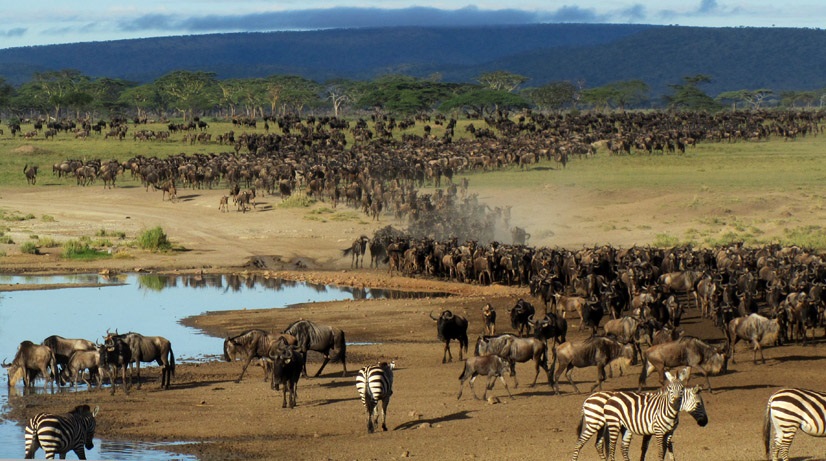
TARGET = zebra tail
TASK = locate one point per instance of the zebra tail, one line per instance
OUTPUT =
(580, 425)
(767, 429)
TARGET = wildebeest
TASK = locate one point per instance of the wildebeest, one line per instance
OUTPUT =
(491, 366)
(31, 174)
(250, 345)
(357, 250)
(596, 351)
(520, 313)
(30, 360)
(150, 349)
(687, 351)
(116, 354)
(551, 326)
(515, 349)
(489, 316)
(756, 329)
(63, 348)
(80, 361)
(450, 326)
(320, 338)
(287, 364)
(564, 304)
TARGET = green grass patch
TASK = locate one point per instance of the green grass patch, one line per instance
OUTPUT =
(6, 239)
(154, 239)
(665, 241)
(82, 250)
(47, 218)
(812, 236)
(297, 201)
(29, 248)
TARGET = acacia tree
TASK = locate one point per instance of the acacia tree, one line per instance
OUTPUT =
(60, 87)
(752, 98)
(188, 91)
(617, 94)
(340, 93)
(689, 96)
(553, 96)
(482, 100)
(501, 80)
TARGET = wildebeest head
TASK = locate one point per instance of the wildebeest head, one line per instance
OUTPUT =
(14, 371)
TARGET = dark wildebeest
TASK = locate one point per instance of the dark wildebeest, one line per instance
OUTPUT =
(550, 326)
(116, 354)
(252, 344)
(491, 366)
(449, 327)
(520, 313)
(515, 349)
(687, 351)
(320, 338)
(489, 315)
(31, 174)
(151, 349)
(63, 348)
(596, 350)
(287, 364)
(30, 360)
(756, 329)
(357, 249)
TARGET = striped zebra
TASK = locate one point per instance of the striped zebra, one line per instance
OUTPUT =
(59, 434)
(593, 419)
(644, 414)
(375, 386)
(787, 411)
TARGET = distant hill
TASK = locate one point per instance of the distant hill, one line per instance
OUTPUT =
(736, 58)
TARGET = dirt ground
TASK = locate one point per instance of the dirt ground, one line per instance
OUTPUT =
(225, 420)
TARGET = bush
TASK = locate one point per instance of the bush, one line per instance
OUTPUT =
(154, 240)
(78, 249)
(297, 201)
(29, 248)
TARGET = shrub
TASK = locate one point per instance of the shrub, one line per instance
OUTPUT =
(154, 240)
(297, 201)
(78, 249)
(29, 248)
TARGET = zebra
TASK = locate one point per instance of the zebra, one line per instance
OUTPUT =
(375, 386)
(645, 414)
(593, 419)
(59, 434)
(787, 411)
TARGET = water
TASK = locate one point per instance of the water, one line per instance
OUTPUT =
(151, 305)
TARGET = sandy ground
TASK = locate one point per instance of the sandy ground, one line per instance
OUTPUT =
(225, 420)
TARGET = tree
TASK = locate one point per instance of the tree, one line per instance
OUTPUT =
(6, 93)
(752, 98)
(340, 93)
(553, 96)
(483, 100)
(501, 80)
(400, 94)
(106, 92)
(689, 96)
(189, 91)
(60, 87)
(144, 98)
(617, 94)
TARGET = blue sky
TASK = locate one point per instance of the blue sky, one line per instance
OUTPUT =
(43, 22)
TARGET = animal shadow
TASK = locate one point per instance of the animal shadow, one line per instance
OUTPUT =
(451, 417)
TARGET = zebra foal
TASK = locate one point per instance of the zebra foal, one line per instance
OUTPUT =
(787, 411)
(375, 386)
(59, 434)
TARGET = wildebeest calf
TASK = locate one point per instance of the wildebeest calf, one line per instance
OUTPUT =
(491, 366)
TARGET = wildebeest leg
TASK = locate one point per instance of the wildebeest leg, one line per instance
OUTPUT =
(323, 364)
(244, 369)
(600, 377)
(569, 372)
(447, 352)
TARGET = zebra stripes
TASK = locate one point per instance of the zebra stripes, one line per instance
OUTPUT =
(645, 414)
(787, 411)
(59, 434)
(375, 386)
(593, 419)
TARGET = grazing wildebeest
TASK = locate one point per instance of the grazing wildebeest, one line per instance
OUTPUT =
(357, 249)
(449, 327)
(491, 366)
(520, 313)
(150, 349)
(31, 174)
(596, 350)
(756, 329)
(30, 360)
(515, 349)
(59, 434)
(287, 364)
(489, 315)
(687, 351)
(115, 354)
(252, 344)
(63, 348)
(374, 384)
(320, 338)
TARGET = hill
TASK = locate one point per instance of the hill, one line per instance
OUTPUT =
(735, 58)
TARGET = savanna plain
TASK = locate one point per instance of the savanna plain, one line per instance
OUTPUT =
(715, 193)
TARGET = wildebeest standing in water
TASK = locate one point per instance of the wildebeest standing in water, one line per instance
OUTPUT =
(449, 327)
(63, 348)
(320, 338)
(30, 360)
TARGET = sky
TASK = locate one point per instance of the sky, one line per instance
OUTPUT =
(45, 22)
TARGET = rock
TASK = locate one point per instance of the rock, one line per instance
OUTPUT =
(493, 400)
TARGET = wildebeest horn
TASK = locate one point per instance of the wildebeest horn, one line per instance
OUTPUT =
(530, 320)
(431, 316)
(447, 314)
(5, 365)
